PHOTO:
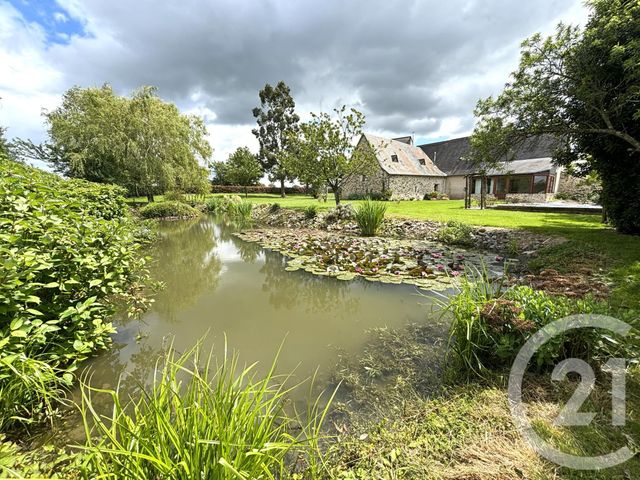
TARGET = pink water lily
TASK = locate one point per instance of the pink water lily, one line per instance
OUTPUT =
(455, 273)
(440, 267)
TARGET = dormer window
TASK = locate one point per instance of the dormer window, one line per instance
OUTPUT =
(422, 161)
(394, 158)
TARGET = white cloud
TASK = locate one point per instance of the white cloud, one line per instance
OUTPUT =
(417, 68)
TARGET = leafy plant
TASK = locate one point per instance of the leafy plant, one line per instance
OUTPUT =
(490, 325)
(240, 212)
(455, 233)
(169, 209)
(369, 217)
(68, 249)
(220, 204)
(311, 212)
(274, 207)
(200, 420)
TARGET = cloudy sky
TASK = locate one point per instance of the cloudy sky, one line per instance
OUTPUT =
(411, 66)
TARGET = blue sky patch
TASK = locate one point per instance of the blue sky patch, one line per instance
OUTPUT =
(57, 23)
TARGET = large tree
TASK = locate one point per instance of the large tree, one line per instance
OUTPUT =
(583, 87)
(242, 168)
(277, 121)
(327, 152)
(142, 143)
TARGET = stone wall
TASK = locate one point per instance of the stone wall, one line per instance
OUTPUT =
(528, 197)
(363, 185)
(408, 187)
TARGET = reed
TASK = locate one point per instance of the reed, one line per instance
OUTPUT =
(369, 217)
(198, 420)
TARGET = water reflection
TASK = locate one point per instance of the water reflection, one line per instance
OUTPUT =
(226, 289)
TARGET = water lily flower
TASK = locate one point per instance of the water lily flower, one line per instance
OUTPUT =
(440, 267)
(499, 258)
(455, 273)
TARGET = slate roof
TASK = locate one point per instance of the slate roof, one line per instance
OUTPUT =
(534, 165)
(409, 157)
(447, 155)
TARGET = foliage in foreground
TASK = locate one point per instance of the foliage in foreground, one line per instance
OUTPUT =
(490, 325)
(398, 422)
(67, 250)
(201, 420)
(369, 217)
(168, 209)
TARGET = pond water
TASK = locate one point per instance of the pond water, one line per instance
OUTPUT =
(218, 286)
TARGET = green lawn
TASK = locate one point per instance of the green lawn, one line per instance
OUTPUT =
(587, 230)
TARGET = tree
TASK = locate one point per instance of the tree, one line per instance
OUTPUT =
(220, 176)
(277, 121)
(243, 168)
(326, 152)
(583, 88)
(141, 143)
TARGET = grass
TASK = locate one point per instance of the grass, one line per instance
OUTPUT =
(462, 431)
(200, 420)
(369, 217)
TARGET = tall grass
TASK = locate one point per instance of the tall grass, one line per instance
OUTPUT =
(369, 217)
(240, 212)
(198, 420)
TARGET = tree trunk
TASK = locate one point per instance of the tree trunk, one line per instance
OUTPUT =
(150, 198)
(336, 195)
(246, 192)
(283, 193)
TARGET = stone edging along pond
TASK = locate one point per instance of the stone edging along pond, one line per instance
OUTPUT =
(406, 252)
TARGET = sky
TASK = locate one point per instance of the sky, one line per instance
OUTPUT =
(413, 67)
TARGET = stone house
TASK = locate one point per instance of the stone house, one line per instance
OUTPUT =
(404, 170)
(530, 176)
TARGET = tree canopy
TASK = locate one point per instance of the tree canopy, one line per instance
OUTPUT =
(141, 143)
(583, 87)
(277, 121)
(241, 168)
(327, 151)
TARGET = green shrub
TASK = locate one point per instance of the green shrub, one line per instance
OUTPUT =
(490, 325)
(455, 233)
(311, 212)
(369, 217)
(168, 209)
(220, 204)
(174, 196)
(67, 250)
(200, 420)
(240, 212)
(274, 207)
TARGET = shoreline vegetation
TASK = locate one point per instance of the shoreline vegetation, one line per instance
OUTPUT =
(416, 404)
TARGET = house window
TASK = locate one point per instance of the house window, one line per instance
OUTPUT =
(501, 185)
(539, 184)
(394, 158)
(520, 184)
(422, 161)
(436, 186)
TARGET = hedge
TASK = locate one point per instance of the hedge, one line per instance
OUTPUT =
(239, 189)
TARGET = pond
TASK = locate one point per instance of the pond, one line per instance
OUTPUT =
(219, 287)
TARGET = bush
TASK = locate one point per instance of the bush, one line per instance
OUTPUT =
(490, 326)
(199, 420)
(311, 212)
(258, 189)
(455, 233)
(67, 250)
(274, 207)
(240, 212)
(369, 216)
(341, 212)
(168, 210)
(220, 204)
(174, 196)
